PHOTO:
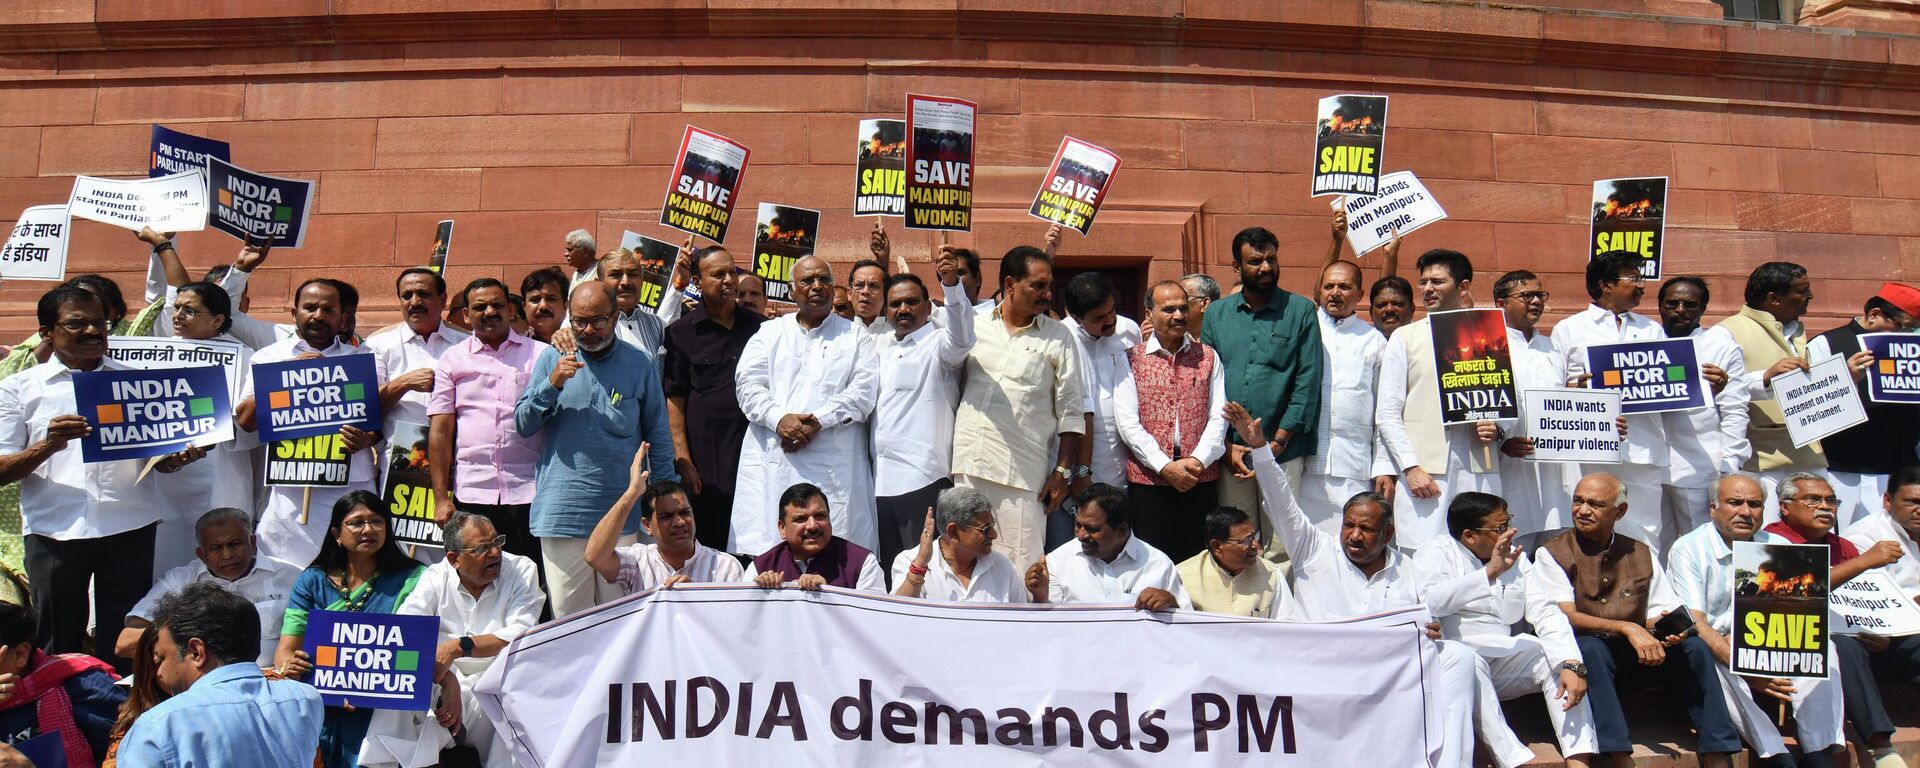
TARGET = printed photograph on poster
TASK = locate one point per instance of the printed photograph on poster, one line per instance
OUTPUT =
(1895, 375)
(1573, 425)
(407, 488)
(1651, 376)
(176, 203)
(1872, 602)
(319, 461)
(175, 152)
(1348, 144)
(373, 660)
(316, 396)
(707, 174)
(1075, 185)
(136, 414)
(939, 163)
(1779, 610)
(1403, 204)
(656, 259)
(1475, 365)
(1819, 401)
(252, 206)
(880, 156)
(1631, 215)
(782, 235)
(37, 247)
(442, 242)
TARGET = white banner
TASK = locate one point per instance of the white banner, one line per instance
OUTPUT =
(1872, 603)
(176, 203)
(151, 352)
(1573, 425)
(738, 675)
(37, 249)
(1819, 401)
(1403, 203)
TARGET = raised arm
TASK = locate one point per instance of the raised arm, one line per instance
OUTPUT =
(1276, 495)
(600, 553)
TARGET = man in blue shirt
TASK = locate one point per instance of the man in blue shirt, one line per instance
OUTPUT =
(223, 711)
(595, 406)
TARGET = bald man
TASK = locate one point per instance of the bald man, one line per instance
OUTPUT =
(807, 383)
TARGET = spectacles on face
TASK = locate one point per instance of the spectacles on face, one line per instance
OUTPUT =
(1529, 297)
(486, 547)
(365, 524)
(989, 529)
(1495, 531)
(1251, 541)
(1677, 305)
(1636, 279)
(600, 323)
(1817, 501)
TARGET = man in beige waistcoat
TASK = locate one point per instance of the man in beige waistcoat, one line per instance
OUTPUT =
(1773, 341)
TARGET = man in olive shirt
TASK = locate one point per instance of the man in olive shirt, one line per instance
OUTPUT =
(1269, 341)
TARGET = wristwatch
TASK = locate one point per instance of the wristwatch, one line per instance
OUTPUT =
(1083, 471)
(1063, 472)
(466, 648)
(1578, 669)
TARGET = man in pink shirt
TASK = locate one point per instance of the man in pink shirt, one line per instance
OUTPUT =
(477, 461)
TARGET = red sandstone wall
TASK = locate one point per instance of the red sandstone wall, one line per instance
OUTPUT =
(523, 119)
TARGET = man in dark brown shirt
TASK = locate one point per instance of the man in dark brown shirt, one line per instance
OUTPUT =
(1614, 593)
(702, 349)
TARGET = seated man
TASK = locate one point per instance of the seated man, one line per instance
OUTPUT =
(809, 556)
(959, 565)
(1614, 593)
(1475, 586)
(1230, 576)
(1701, 565)
(34, 685)
(485, 597)
(674, 557)
(1894, 658)
(1106, 563)
(227, 559)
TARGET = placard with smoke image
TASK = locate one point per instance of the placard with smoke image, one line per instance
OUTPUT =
(782, 235)
(1630, 215)
(1350, 141)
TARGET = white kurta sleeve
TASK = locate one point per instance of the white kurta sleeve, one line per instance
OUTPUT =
(1126, 421)
(854, 402)
(871, 579)
(753, 378)
(1213, 442)
(1389, 418)
(1298, 533)
(957, 328)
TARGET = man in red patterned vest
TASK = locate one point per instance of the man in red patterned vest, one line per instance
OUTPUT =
(1168, 412)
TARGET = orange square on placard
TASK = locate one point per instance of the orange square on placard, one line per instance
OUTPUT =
(1886, 367)
(279, 399)
(112, 413)
(326, 656)
(1610, 378)
(226, 199)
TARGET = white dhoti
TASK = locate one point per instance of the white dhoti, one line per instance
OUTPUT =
(1518, 671)
(414, 739)
(1818, 712)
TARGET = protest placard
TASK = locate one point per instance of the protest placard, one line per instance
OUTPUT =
(1350, 140)
(656, 259)
(255, 206)
(136, 414)
(1076, 185)
(176, 203)
(37, 249)
(939, 163)
(155, 352)
(1651, 376)
(176, 152)
(1473, 364)
(707, 174)
(373, 660)
(316, 396)
(320, 461)
(1403, 204)
(1818, 401)
(783, 235)
(880, 189)
(442, 242)
(1871, 602)
(1895, 375)
(1779, 610)
(408, 489)
(1630, 215)
(1573, 425)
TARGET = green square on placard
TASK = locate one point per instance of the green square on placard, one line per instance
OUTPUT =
(354, 391)
(282, 213)
(200, 406)
(406, 661)
(1676, 373)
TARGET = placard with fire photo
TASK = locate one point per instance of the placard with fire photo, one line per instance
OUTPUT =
(1349, 142)
(656, 259)
(706, 182)
(408, 488)
(1076, 185)
(1780, 609)
(1630, 215)
(880, 156)
(783, 235)
(1473, 365)
(939, 163)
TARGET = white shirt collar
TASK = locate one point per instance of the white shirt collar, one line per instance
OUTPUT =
(1153, 344)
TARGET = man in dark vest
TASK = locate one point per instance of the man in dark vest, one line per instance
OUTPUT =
(1615, 594)
(1860, 458)
(809, 556)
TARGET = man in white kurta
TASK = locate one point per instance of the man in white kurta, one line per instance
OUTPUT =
(485, 598)
(1706, 443)
(1348, 456)
(1102, 337)
(806, 383)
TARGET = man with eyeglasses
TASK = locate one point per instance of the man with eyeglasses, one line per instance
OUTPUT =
(602, 399)
(1704, 443)
(675, 556)
(956, 562)
(1231, 577)
(484, 597)
(1860, 457)
(1893, 658)
(1202, 292)
(1616, 287)
(1535, 492)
